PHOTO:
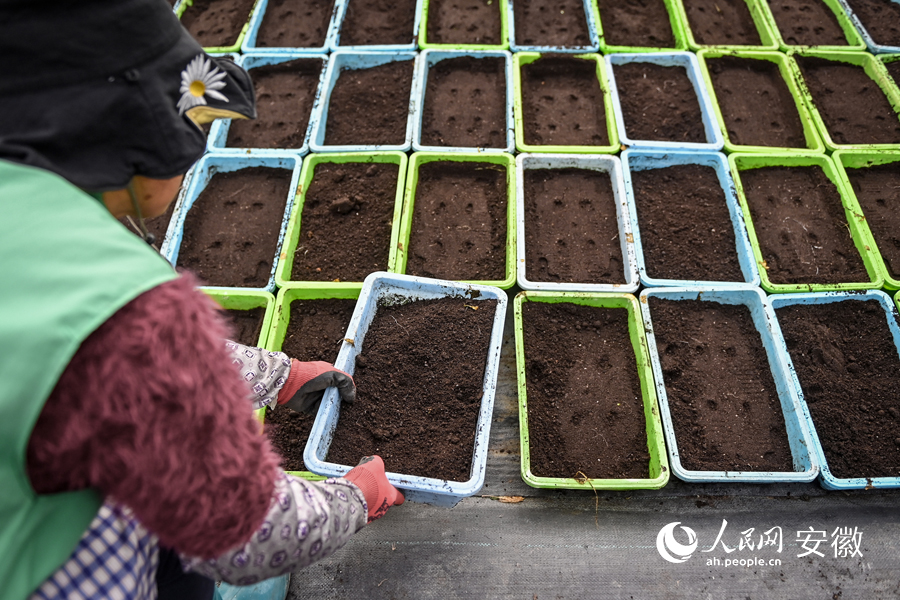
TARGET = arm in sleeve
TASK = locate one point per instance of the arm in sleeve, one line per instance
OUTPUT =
(264, 372)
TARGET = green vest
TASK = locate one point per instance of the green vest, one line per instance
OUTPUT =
(66, 265)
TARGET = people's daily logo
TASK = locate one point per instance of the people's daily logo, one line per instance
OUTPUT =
(671, 549)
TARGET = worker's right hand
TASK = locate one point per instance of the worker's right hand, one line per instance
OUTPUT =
(370, 478)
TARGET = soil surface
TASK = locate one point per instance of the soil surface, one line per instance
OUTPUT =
(756, 103)
(464, 22)
(894, 70)
(686, 230)
(419, 383)
(571, 231)
(382, 22)
(551, 23)
(881, 18)
(370, 106)
(721, 23)
(585, 410)
(459, 222)
(246, 324)
(295, 24)
(801, 226)
(854, 108)
(465, 103)
(231, 232)
(285, 94)
(215, 23)
(562, 103)
(722, 397)
(878, 190)
(807, 23)
(315, 332)
(158, 226)
(636, 23)
(345, 226)
(847, 365)
(659, 103)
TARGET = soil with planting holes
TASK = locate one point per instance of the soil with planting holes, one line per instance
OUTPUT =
(807, 23)
(659, 103)
(551, 23)
(215, 23)
(246, 324)
(381, 22)
(877, 189)
(295, 24)
(721, 23)
(345, 223)
(881, 18)
(419, 381)
(464, 22)
(585, 409)
(636, 23)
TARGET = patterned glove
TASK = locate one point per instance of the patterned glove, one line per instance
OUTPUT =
(307, 382)
(369, 477)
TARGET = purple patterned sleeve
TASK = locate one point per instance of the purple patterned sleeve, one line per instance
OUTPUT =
(265, 372)
(306, 522)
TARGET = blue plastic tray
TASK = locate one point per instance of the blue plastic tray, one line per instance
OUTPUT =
(688, 60)
(386, 285)
(218, 134)
(199, 177)
(249, 44)
(343, 61)
(873, 46)
(589, 13)
(341, 11)
(606, 164)
(426, 60)
(828, 480)
(806, 465)
(640, 160)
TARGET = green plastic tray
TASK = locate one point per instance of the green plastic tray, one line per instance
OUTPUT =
(236, 46)
(757, 13)
(810, 132)
(243, 299)
(855, 43)
(292, 234)
(504, 32)
(412, 179)
(524, 58)
(659, 462)
(677, 32)
(874, 69)
(745, 162)
(279, 323)
(844, 159)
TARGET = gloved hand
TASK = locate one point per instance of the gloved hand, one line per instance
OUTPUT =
(369, 477)
(307, 382)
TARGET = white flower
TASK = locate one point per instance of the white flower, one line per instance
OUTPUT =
(200, 78)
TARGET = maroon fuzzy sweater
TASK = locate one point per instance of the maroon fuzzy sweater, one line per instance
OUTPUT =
(151, 412)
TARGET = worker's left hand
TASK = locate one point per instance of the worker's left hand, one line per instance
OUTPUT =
(307, 383)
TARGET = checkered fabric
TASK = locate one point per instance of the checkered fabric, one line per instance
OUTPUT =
(116, 559)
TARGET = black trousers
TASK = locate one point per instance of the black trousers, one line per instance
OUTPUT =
(173, 583)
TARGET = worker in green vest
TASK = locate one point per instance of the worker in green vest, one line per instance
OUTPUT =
(130, 462)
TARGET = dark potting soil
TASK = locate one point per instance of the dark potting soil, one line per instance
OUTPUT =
(246, 324)
(894, 71)
(464, 22)
(382, 22)
(801, 227)
(295, 24)
(659, 103)
(231, 231)
(459, 222)
(756, 103)
(807, 23)
(370, 106)
(571, 231)
(285, 94)
(878, 190)
(854, 108)
(551, 23)
(345, 226)
(722, 397)
(419, 384)
(881, 18)
(721, 23)
(465, 103)
(847, 365)
(563, 103)
(686, 230)
(315, 332)
(585, 411)
(636, 23)
(216, 23)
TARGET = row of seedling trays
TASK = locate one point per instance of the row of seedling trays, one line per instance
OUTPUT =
(539, 25)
